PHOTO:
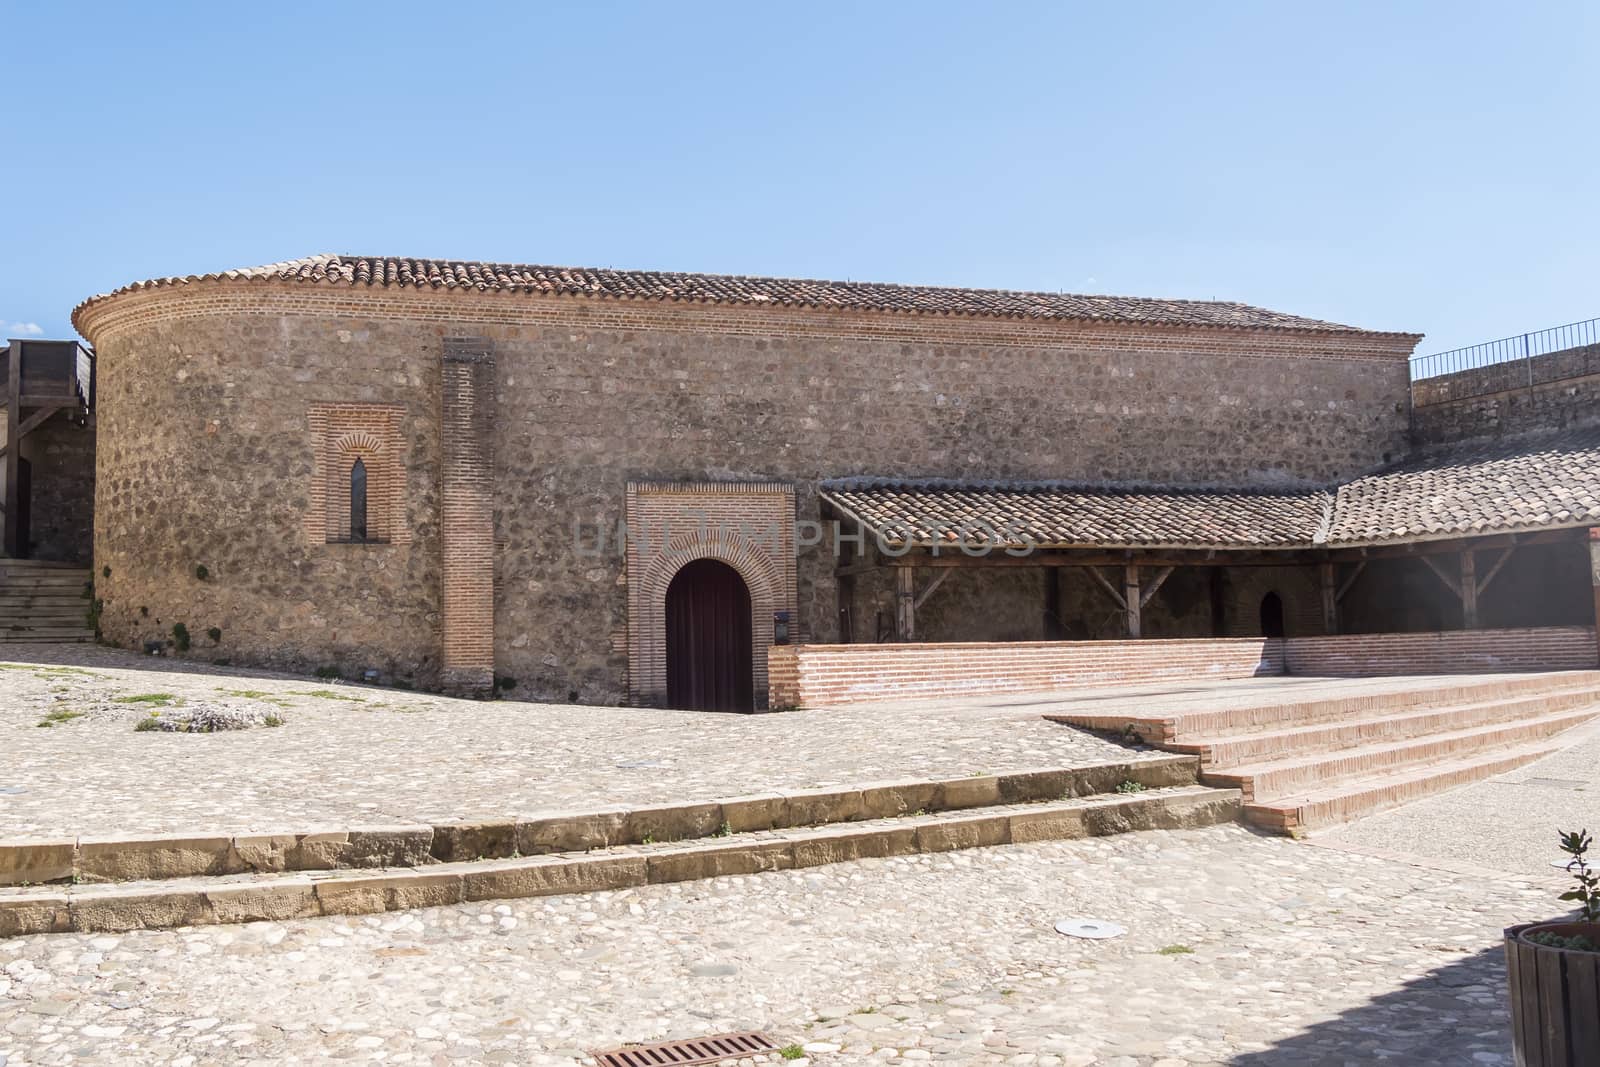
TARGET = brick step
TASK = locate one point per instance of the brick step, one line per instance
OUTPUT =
(1163, 729)
(277, 897)
(136, 857)
(1349, 800)
(1230, 750)
(15, 629)
(1283, 777)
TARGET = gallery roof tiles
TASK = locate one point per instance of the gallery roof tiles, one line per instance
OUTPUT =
(1545, 482)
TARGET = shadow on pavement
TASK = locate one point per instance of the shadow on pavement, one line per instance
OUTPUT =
(1454, 1015)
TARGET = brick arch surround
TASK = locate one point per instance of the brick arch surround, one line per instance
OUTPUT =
(750, 527)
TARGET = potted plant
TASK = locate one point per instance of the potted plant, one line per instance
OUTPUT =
(1554, 969)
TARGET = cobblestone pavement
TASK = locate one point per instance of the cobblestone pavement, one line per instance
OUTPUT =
(1508, 822)
(348, 755)
(1240, 949)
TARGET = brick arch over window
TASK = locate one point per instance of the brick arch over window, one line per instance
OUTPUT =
(343, 434)
(750, 527)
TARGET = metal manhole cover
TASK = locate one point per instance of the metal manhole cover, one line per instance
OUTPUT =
(687, 1051)
(1093, 929)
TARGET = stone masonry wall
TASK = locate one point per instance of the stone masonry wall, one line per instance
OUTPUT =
(61, 516)
(206, 458)
(205, 455)
(1514, 398)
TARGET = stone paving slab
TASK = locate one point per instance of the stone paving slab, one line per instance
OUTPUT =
(1245, 950)
(1508, 822)
(355, 755)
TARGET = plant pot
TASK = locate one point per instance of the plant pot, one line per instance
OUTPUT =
(1555, 997)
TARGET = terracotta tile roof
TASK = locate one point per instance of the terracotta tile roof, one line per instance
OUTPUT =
(387, 272)
(1545, 482)
(1528, 484)
(1058, 516)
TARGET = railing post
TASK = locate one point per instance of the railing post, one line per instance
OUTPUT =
(1527, 359)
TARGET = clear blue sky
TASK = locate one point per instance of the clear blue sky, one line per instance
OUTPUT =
(1423, 167)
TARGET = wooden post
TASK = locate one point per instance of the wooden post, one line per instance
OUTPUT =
(1330, 598)
(1130, 595)
(1469, 591)
(13, 452)
(905, 615)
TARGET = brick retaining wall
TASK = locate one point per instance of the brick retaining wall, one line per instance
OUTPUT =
(815, 675)
(1549, 648)
(818, 675)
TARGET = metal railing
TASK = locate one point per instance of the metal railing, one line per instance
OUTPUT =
(1517, 362)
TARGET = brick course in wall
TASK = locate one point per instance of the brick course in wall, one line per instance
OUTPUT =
(825, 675)
(467, 526)
(820, 675)
(1547, 648)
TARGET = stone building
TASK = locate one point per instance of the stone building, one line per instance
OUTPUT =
(629, 486)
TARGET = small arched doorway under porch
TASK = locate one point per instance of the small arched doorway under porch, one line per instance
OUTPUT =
(710, 665)
(1272, 615)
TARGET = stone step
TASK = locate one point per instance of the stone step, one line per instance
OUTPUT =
(278, 897)
(34, 566)
(42, 601)
(1230, 750)
(1165, 729)
(1335, 804)
(14, 630)
(68, 609)
(26, 587)
(1262, 781)
(52, 621)
(86, 637)
(138, 857)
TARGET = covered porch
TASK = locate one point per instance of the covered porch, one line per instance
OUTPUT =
(1477, 559)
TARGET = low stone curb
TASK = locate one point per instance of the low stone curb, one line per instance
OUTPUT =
(126, 858)
(277, 897)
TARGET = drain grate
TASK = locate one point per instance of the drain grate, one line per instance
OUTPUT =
(690, 1050)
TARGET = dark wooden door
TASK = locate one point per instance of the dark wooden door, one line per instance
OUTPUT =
(709, 663)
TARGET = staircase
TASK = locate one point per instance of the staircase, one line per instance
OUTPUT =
(44, 601)
(130, 881)
(1316, 763)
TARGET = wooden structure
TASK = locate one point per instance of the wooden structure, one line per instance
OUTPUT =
(40, 379)
(1130, 578)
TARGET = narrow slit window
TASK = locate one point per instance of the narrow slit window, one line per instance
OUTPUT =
(358, 501)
